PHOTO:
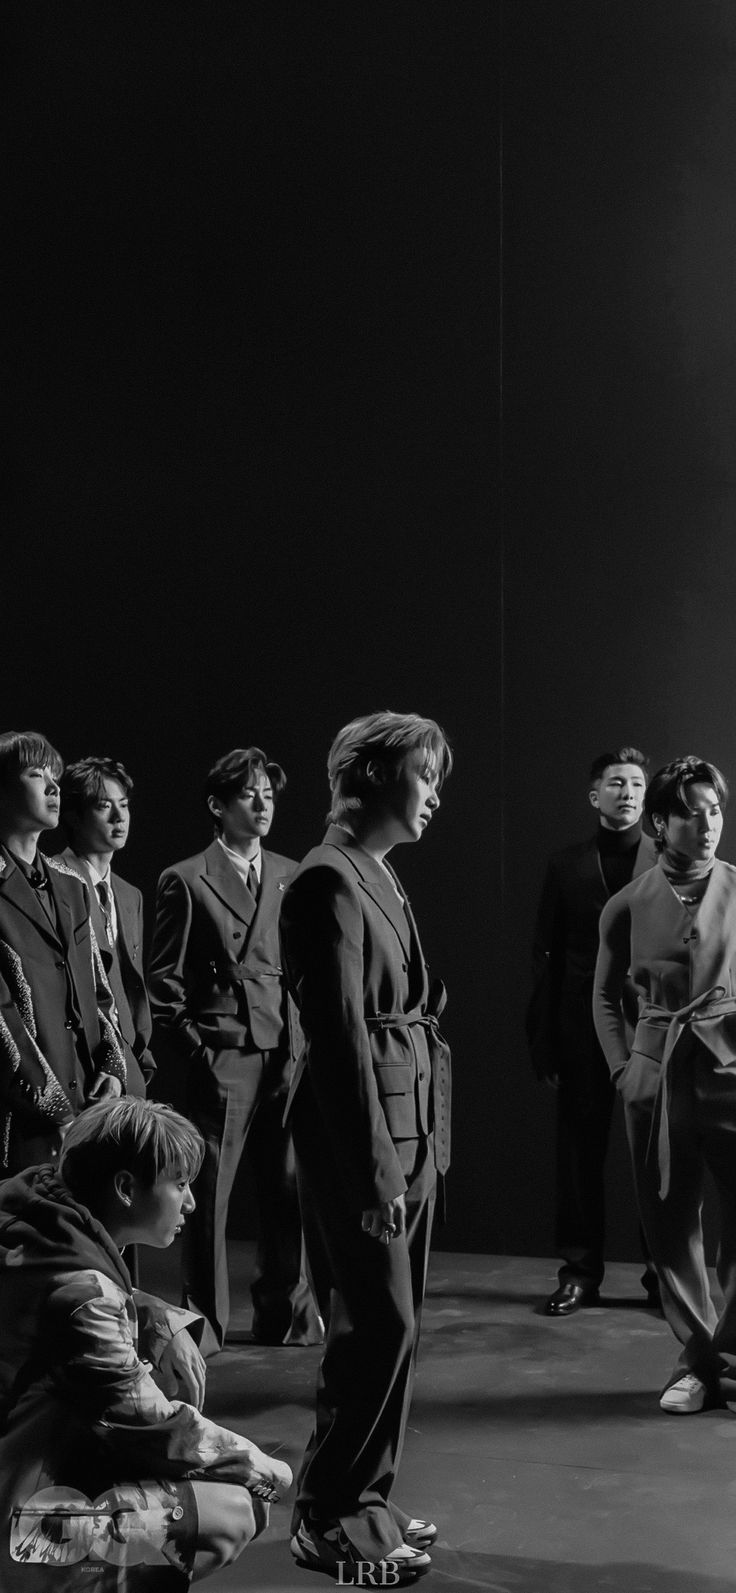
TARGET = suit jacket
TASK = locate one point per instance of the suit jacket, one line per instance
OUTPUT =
(357, 973)
(559, 1019)
(124, 969)
(215, 976)
(56, 1028)
(675, 958)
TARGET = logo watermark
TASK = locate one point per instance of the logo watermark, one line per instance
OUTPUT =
(364, 1573)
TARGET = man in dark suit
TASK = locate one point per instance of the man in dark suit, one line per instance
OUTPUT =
(219, 997)
(369, 1109)
(95, 812)
(579, 881)
(59, 1047)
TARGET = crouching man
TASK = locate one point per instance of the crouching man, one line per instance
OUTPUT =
(100, 1469)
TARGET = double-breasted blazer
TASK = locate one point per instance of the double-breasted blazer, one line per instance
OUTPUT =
(559, 1020)
(374, 1060)
(215, 976)
(56, 1012)
(675, 960)
(125, 973)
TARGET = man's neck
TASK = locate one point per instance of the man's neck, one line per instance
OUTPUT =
(24, 846)
(99, 861)
(373, 834)
(246, 849)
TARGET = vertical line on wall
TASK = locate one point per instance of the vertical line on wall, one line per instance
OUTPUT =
(501, 505)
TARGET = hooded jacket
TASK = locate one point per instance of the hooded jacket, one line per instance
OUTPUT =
(79, 1407)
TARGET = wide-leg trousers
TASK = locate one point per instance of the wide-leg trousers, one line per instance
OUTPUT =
(702, 1134)
(371, 1294)
(236, 1097)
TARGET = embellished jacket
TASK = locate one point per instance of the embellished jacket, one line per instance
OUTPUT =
(57, 1030)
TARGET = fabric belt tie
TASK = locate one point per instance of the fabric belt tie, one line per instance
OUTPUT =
(712, 1004)
(402, 1020)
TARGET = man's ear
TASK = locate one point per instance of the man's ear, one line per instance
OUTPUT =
(376, 771)
(593, 797)
(124, 1185)
(215, 806)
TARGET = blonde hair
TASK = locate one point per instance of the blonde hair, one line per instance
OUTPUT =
(388, 738)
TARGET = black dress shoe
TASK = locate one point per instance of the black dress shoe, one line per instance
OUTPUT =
(570, 1297)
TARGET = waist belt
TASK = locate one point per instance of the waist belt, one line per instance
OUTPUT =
(712, 1004)
(402, 1020)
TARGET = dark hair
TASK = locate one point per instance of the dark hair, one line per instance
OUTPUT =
(620, 755)
(27, 749)
(230, 774)
(387, 737)
(141, 1137)
(665, 793)
(82, 783)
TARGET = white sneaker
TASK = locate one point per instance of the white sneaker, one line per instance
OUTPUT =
(685, 1397)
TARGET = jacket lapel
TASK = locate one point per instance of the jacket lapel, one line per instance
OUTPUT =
(271, 893)
(226, 883)
(14, 888)
(646, 857)
(375, 880)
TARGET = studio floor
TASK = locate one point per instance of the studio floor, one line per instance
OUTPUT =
(536, 1445)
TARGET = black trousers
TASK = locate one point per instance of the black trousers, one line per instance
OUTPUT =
(586, 1097)
(234, 1098)
(375, 1293)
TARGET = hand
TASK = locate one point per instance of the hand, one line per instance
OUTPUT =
(182, 1371)
(385, 1221)
(106, 1086)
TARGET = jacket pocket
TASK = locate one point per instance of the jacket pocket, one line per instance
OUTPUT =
(394, 1078)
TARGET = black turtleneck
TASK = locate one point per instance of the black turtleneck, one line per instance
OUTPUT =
(617, 852)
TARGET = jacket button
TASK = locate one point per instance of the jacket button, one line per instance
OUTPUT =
(177, 1512)
(68, 1024)
(236, 934)
(58, 965)
(72, 1084)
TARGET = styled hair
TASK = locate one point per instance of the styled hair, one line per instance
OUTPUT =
(231, 774)
(666, 793)
(82, 783)
(27, 749)
(619, 755)
(387, 738)
(141, 1137)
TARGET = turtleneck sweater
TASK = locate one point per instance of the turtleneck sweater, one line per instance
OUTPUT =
(688, 877)
(617, 853)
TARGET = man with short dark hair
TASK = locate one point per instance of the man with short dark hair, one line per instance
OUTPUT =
(369, 1108)
(219, 997)
(58, 1044)
(95, 812)
(579, 881)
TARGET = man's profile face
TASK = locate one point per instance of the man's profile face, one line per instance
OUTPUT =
(103, 824)
(411, 796)
(619, 795)
(248, 815)
(29, 801)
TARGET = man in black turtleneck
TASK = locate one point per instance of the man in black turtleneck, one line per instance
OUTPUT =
(564, 1048)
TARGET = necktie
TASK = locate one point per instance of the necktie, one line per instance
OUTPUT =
(106, 905)
(253, 881)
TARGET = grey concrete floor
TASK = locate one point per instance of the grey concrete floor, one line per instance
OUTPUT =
(536, 1445)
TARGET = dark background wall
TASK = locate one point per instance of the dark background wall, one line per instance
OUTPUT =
(289, 285)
